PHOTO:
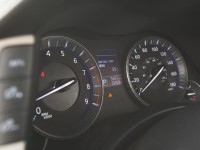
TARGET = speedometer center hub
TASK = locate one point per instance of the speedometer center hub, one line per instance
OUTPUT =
(62, 99)
(151, 67)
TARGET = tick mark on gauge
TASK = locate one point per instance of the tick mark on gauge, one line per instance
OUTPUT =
(163, 44)
(135, 50)
(139, 46)
(169, 47)
(97, 105)
(145, 43)
(96, 95)
(173, 53)
(66, 44)
(82, 53)
(57, 43)
(151, 41)
(34, 118)
(144, 75)
(92, 68)
(87, 60)
(74, 48)
(48, 43)
(181, 87)
(157, 42)
(178, 59)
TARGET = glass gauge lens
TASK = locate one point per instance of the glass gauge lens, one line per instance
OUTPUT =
(156, 71)
(70, 89)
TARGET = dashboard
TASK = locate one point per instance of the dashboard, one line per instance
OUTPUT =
(102, 60)
(101, 78)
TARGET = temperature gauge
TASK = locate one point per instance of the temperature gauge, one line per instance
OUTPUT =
(192, 94)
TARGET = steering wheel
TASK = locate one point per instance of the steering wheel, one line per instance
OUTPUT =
(166, 128)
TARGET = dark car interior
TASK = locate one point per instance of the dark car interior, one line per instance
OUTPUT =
(100, 75)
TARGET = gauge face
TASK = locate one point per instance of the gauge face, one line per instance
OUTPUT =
(156, 71)
(192, 94)
(70, 89)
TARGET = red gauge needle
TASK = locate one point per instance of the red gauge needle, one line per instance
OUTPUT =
(153, 79)
(58, 86)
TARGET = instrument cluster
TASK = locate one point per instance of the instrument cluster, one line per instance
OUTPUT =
(83, 79)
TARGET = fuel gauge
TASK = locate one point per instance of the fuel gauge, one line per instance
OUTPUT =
(192, 94)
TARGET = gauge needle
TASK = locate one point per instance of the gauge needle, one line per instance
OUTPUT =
(57, 86)
(153, 79)
(191, 94)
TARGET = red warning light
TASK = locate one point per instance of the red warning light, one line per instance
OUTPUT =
(42, 74)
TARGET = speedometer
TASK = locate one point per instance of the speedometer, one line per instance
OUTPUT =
(70, 89)
(156, 71)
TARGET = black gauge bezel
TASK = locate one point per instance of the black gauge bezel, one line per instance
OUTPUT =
(91, 118)
(183, 64)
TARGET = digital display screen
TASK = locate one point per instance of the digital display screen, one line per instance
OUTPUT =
(108, 63)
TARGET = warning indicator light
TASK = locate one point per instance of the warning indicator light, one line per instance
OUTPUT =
(110, 95)
(42, 74)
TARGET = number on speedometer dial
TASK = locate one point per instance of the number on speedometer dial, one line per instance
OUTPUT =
(156, 71)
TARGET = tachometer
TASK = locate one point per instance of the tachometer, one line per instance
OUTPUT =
(156, 71)
(70, 88)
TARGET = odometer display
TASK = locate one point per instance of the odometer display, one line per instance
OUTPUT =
(156, 71)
